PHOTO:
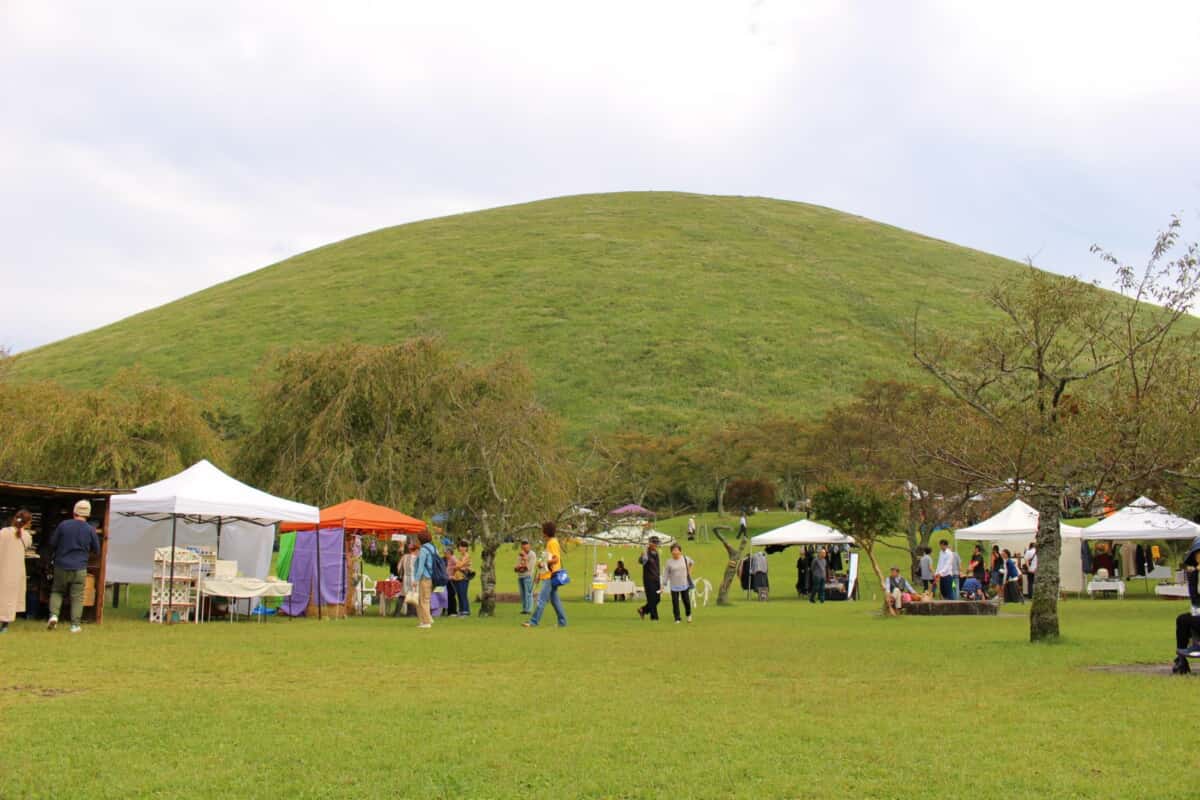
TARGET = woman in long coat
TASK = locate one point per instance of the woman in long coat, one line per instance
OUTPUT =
(14, 541)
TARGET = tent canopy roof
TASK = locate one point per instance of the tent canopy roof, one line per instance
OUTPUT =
(1142, 519)
(363, 517)
(1016, 523)
(631, 510)
(627, 535)
(801, 532)
(204, 493)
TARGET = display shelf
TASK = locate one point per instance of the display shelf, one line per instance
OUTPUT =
(175, 586)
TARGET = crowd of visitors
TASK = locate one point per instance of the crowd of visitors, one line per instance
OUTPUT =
(994, 576)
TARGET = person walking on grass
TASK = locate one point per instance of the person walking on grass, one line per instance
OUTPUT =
(651, 584)
(14, 541)
(423, 573)
(678, 572)
(460, 579)
(817, 575)
(549, 590)
(72, 542)
(526, 571)
(925, 569)
(691, 528)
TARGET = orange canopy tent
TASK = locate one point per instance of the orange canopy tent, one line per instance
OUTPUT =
(355, 517)
(359, 516)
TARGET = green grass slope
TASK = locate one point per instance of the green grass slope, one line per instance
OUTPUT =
(652, 309)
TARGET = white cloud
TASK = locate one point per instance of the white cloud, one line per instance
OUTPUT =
(149, 150)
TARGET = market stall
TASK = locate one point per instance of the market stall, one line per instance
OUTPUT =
(806, 533)
(636, 534)
(50, 505)
(1015, 526)
(325, 560)
(1134, 527)
(198, 508)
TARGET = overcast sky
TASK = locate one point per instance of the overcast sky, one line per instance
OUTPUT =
(150, 149)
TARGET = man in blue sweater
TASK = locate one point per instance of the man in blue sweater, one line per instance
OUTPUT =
(72, 541)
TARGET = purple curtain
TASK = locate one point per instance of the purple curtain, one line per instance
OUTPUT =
(304, 570)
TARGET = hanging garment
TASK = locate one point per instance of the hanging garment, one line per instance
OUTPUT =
(1139, 560)
(1085, 557)
(835, 560)
(744, 573)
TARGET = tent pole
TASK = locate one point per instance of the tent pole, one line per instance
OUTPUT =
(171, 580)
(317, 539)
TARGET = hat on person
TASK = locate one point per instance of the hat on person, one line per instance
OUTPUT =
(83, 508)
(653, 540)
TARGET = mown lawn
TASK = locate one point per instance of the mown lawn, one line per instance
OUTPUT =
(782, 699)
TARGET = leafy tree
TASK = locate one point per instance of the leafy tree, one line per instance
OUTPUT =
(864, 513)
(131, 431)
(412, 426)
(721, 455)
(1072, 387)
(751, 493)
(880, 437)
(779, 452)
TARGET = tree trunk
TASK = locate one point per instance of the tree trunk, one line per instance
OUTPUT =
(888, 611)
(730, 568)
(720, 487)
(487, 570)
(1043, 614)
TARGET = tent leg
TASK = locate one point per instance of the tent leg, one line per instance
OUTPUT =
(317, 539)
(171, 580)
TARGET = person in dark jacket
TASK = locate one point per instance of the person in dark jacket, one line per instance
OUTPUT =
(72, 542)
(650, 579)
(1187, 624)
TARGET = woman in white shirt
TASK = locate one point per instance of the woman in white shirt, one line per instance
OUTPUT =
(678, 576)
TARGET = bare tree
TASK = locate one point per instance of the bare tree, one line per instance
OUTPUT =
(1068, 385)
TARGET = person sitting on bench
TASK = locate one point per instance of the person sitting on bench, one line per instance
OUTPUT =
(1187, 624)
(899, 590)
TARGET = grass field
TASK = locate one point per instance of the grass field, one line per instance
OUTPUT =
(763, 700)
(654, 309)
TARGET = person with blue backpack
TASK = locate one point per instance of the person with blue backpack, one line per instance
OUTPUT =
(552, 576)
(430, 572)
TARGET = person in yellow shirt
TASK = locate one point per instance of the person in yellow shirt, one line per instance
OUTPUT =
(549, 591)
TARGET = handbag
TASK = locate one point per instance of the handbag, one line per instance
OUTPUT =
(560, 578)
(470, 574)
(411, 598)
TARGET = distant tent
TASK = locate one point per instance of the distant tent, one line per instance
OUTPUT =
(1141, 520)
(631, 510)
(1015, 526)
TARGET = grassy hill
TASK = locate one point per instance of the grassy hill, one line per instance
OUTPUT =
(649, 309)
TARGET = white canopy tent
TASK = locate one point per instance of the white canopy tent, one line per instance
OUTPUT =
(1015, 526)
(801, 532)
(197, 506)
(1142, 520)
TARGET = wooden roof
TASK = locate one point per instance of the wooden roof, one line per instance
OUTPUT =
(45, 488)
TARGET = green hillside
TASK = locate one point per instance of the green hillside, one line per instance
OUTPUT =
(635, 308)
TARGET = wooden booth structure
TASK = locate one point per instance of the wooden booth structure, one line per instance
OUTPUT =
(50, 505)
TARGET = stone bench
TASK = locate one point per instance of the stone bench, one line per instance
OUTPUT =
(948, 608)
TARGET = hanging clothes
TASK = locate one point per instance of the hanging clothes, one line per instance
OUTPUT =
(1085, 556)
(1140, 557)
(744, 573)
(758, 574)
(835, 559)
